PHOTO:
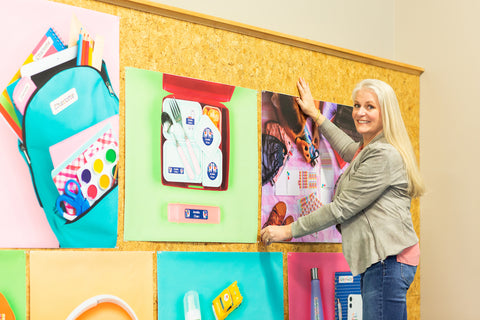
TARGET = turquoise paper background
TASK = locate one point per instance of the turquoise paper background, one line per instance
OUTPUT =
(146, 198)
(259, 277)
(13, 281)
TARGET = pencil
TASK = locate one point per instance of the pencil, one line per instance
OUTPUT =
(90, 51)
(80, 45)
(85, 52)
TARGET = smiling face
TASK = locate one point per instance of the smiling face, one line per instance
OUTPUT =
(367, 115)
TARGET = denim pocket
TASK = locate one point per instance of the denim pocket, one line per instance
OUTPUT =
(408, 273)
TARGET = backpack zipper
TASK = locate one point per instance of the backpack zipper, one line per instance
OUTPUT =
(29, 163)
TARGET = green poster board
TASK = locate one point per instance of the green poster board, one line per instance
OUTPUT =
(148, 194)
(13, 281)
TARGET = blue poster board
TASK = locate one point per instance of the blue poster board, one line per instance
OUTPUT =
(259, 277)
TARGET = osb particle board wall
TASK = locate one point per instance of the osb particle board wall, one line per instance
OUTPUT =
(165, 39)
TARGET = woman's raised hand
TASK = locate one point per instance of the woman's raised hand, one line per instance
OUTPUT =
(306, 103)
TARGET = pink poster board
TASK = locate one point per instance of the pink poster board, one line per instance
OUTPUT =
(23, 22)
(299, 265)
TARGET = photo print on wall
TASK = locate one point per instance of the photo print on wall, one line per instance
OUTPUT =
(299, 167)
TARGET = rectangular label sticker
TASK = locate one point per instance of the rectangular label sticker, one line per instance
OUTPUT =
(64, 101)
(196, 214)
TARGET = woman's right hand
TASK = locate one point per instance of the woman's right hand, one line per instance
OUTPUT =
(306, 102)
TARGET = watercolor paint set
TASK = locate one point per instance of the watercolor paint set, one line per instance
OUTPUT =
(92, 166)
(195, 134)
(99, 174)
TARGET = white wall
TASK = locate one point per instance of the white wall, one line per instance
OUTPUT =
(342, 23)
(442, 37)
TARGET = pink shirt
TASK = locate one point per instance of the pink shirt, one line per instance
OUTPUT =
(410, 255)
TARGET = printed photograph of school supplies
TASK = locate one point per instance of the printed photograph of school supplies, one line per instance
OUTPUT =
(68, 111)
(191, 159)
(195, 133)
(299, 167)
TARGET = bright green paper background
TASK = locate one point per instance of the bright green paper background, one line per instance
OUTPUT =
(13, 281)
(146, 198)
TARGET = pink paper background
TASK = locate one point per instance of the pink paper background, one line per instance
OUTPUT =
(22, 24)
(299, 265)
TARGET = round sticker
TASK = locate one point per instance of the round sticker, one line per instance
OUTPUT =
(207, 136)
(212, 171)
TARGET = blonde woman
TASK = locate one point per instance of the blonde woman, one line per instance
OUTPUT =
(372, 199)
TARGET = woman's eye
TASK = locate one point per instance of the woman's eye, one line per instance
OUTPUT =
(356, 105)
(370, 107)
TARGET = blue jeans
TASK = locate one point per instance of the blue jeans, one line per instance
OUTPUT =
(384, 288)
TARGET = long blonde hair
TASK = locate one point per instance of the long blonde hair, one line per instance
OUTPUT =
(395, 131)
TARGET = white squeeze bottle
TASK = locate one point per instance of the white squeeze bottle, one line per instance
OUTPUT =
(191, 306)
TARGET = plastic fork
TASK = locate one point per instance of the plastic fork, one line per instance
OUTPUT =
(177, 116)
(167, 121)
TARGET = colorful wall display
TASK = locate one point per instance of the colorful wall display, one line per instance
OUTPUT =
(299, 167)
(35, 33)
(258, 277)
(191, 166)
(62, 281)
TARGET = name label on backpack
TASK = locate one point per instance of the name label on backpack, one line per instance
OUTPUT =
(64, 101)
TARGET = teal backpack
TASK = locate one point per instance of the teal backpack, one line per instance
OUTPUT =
(95, 101)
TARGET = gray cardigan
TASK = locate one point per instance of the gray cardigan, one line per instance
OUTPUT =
(371, 202)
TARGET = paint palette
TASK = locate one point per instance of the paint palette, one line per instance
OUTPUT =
(98, 175)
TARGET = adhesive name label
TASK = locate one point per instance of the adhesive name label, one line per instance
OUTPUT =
(196, 214)
(176, 170)
(345, 279)
(64, 101)
(212, 171)
(207, 136)
(43, 49)
(190, 121)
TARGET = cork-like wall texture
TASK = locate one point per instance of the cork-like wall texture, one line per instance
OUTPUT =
(165, 39)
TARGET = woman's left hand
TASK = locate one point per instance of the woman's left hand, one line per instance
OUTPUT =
(275, 233)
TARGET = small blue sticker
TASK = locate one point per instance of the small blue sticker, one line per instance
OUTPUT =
(207, 136)
(176, 170)
(196, 214)
(212, 171)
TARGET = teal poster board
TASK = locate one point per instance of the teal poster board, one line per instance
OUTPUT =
(13, 281)
(149, 188)
(259, 277)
